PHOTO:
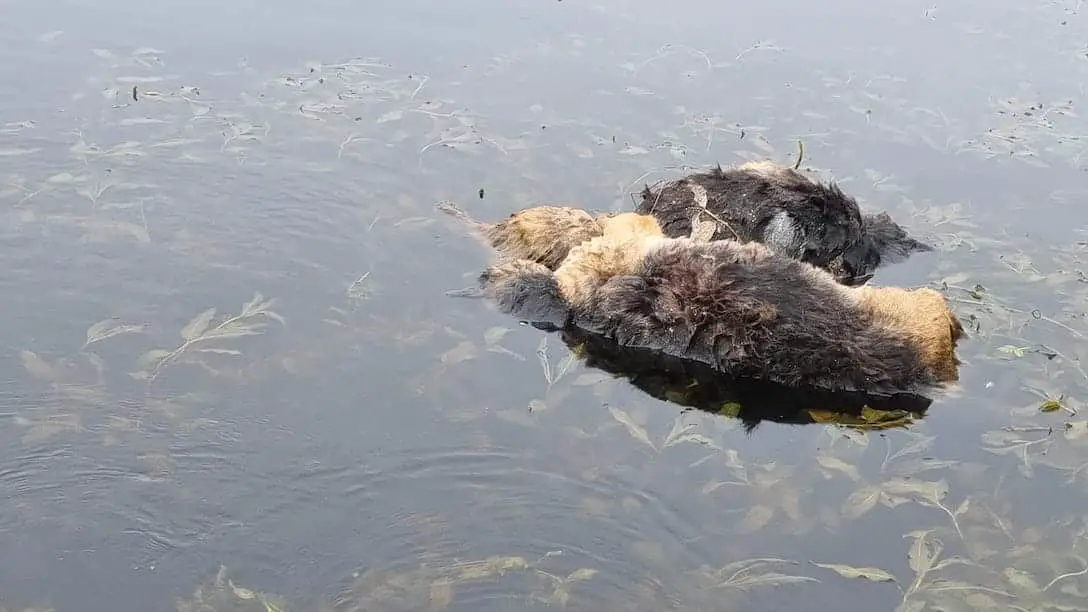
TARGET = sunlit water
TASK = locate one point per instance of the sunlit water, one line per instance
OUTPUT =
(374, 444)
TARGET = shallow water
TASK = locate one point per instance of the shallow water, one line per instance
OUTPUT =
(374, 444)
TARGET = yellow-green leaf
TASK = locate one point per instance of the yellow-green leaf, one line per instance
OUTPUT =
(1050, 405)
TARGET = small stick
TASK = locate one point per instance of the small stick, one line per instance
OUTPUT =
(800, 154)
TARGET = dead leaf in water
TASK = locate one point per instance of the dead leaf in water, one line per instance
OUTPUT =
(584, 573)
(743, 575)
(757, 518)
(874, 574)
(198, 325)
(462, 352)
(591, 378)
(862, 501)
(441, 593)
(241, 592)
(636, 430)
(107, 329)
(833, 463)
(36, 366)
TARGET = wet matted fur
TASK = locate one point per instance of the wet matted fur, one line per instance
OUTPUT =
(544, 234)
(739, 307)
(794, 215)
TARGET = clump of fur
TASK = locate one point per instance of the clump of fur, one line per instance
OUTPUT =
(742, 308)
(543, 234)
(778, 206)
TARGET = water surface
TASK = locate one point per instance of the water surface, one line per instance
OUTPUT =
(362, 441)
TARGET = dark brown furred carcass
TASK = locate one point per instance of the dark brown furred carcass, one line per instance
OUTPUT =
(778, 206)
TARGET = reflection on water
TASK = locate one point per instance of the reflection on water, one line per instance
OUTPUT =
(227, 343)
(697, 385)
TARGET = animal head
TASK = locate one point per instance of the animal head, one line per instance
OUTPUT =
(842, 221)
(883, 241)
(829, 221)
(543, 234)
(923, 317)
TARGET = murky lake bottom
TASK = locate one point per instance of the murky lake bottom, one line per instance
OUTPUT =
(233, 380)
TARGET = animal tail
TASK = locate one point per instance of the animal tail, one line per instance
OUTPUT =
(478, 229)
(456, 212)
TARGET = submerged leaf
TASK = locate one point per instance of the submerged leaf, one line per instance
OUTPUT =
(921, 444)
(584, 573)
(757, 518)
(848, 571)
(920, 490)
(768, 579)
(254, 305)
(679, 428)
(861, 501)
(1022, 580)
(636, 430)
(834, 463)
(695, 438)
(564, 365)
(240, 592)
(591, 378)
(923, 552)
(542, 356)
(1015, 351)
(150, 357)
(494, 335)
(193, 329)
(106, 329)
(441, 593)
(463, 351)
(36, 366)
(742, 575)
(1074, 430)
(220, 351)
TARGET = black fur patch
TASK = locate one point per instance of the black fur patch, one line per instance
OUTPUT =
(882, 241)
(800, 218)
